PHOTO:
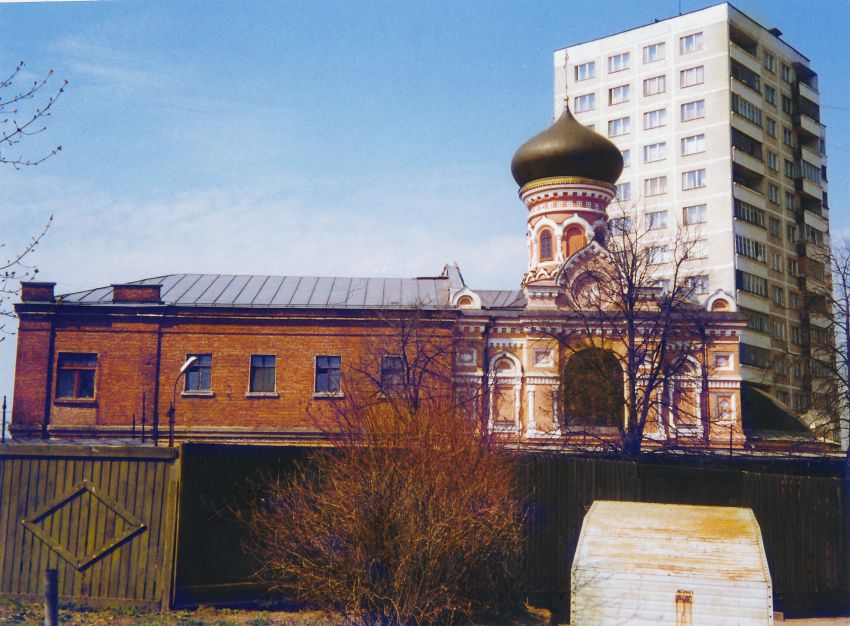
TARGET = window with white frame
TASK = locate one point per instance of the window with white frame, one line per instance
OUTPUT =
(693, 179)
(694, 214)
(656, 220)
(587, 102)
(693, 144)
(692, 76)
(585, 71)
(769, 62)
(773, 193)
(770, 95)
(775, 261)
(618, 95)
(624, 191)
(654, 119)
(750, 248)
(777, 295)
(658, 254)
(786, 73)
(777, 328)
(655, 152)
(772, 161)
(653, 52)
(655, 85)
(774, 227)
(618, 62)
(788, 137)
(655, 186)
(627, 157)
(693, 110)
(690, 43)
(793, 267)
(770, 127)
(619, 126)
(620, 225)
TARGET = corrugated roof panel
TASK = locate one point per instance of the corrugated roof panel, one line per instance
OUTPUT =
(229, 295)
(321, 292)
(304, 291)
(339, 292)
(374, 292)
(392, 291)
(250, 291)
(214, 291)
(194, 293)
(357, 291)
(285, 291)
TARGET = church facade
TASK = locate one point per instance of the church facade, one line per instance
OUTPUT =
(258, 358)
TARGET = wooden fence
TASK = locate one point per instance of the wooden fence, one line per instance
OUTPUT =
(103, 516)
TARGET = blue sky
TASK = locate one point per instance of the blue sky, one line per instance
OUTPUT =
(330, 138)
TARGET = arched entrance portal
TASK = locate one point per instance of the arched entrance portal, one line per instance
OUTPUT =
(593, 389)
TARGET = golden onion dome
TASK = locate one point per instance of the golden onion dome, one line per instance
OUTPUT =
(565, 149)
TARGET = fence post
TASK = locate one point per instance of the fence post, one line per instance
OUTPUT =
(51, 597)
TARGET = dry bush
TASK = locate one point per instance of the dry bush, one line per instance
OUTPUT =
(410, 518)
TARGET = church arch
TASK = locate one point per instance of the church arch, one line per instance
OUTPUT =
(593, 389)
(574, 240)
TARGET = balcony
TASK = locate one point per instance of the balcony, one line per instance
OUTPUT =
(748, 162)
(744, 58)
(804, 186)
(746, 126)
(808, 92)
(812, 156)
(806, 125)
(748, 195)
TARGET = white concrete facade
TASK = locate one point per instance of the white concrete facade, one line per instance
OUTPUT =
(738, 103)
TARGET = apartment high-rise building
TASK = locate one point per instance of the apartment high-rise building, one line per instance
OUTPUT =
(718, 120)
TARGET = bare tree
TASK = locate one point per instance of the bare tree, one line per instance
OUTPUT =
(411, 517)
(635, 318)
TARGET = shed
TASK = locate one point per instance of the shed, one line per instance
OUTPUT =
(642, 563)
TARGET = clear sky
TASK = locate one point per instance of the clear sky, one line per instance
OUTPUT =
(331, 138)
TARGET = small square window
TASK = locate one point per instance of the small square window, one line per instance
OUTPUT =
(262, 373)
(328, 374)
(198, 374)
(75, 375)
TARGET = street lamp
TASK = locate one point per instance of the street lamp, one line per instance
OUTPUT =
(171, 409)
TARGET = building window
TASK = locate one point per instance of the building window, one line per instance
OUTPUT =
(655, 152)
(777, 295)
(793, 300)
(627, 157)
(745, 143)
(655, 186)
(810, 172)
(698, 284)
(690, 43)
(756, 321)
(787, 105)
(693, 179)
(791, 233)
(656, 220)
(619, 126)
(769, 62)
(790, 170)
(788, 137)
(693, 110)
(751, 283)
(745, 75)
(618, 95)
(789, 201)
(655, 85)
(786, 73)
(75, 375)
(654, 119)
(587, 102)
(658, 254)
(777, 329)
(771, 127)
(262, 373)
(618, 62)
(693, 144)
(692, 76)
(199, 374)
(773, 193)
(749, 213)
(620, 225)
(775, 261)
(624, 191)
(653, 52)
(328, 374)
(746, 109)
(772, 161)
(694, 214)
(770, 95)
(750, 248)
(546, 246)
(585, 71)
(392, 373)
(774, 227)
(797, 335)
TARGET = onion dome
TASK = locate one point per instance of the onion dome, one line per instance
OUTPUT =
(567, 149)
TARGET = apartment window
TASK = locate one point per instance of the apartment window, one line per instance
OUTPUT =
(770, 95)
(654, 119)
(790, 170)
(262, 373)
(789, 201)
(618, 62)
(627, 157)
(750, 248)
(693, 144)
(198, 375)
(786, 73)
(746, 109)
(787, 105)
(788, 137)
(585, 71)
(748, 213)
(773, 193)
(587, 102)
(793, 300)
(751, 283)
(810, 172)
(658, 254)
(777, 329)
(770, 127)
(814, 236)
(756, 321)
(745, 75)
(775, 261)
(697, 250)
(655, 186)
(655, 152)
(693, 110)
(692, 76)
(769, 62)
(745, 143)
(777, 295)
(546, 246)
(693, 179)
(328, 374)
(754, 355)
(694, 214)
(698, 284)
(653, 52)
(620, 225)
(793, 270)
(774, 227)
(791, 233)
(656, 220)
(654, 85)
(619, 126)
(392, 373)
(624, 191)
(690, 43)
(75, 375)
(772, 161)
(618, 95)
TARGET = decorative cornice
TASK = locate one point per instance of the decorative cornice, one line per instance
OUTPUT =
(565, 180)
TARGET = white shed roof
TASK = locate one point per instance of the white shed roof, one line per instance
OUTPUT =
(707, 542)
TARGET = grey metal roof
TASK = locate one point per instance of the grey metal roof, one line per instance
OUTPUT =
(229, 290)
